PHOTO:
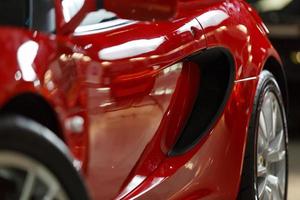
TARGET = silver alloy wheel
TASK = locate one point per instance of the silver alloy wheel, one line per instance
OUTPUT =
(34, 179)
(271, 150)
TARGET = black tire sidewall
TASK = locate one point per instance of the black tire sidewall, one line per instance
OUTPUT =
(267, 83)
(30, 143)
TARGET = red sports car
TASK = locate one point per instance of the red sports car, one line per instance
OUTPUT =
(132, 99)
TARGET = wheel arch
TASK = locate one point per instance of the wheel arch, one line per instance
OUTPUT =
(276, 68)
(34, 107)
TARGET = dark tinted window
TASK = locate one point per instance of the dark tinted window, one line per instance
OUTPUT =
(33, 14)
(43, 15)
(14, 12)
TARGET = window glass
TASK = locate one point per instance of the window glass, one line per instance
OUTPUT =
(14, 12)
(33, 14)
(42, 15)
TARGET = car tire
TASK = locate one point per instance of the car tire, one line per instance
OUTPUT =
(35, 163)
(265, 167)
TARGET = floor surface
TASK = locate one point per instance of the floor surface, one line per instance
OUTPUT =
(294, 173)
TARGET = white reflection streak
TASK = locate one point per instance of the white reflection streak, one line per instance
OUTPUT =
(104, 89)
(71, 8)
(159, 92)
(212, 18)
(136, 181)
(154, 183)
(102, 25)
(185, 28)
(242, 28)
(130, 49)
(105, 104)
(26, 55)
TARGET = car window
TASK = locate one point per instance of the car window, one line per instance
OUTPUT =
(14, 12)
(43, 15)
(33, 14)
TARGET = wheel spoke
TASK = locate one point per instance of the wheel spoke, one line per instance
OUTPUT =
(268, 116)
(51, 194)
(262, 141)
(271, 150)
(276, 156)
(265, 192)
(261, 189)
(281, 174)
(276, 149)
(60, 196)
(261, 171)
(263, 126)
(273, 183)
(274, 117)
(268, 193)
(38, 181)
(28, 186)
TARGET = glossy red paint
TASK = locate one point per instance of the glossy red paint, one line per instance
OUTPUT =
(143, 10)
(135, 90)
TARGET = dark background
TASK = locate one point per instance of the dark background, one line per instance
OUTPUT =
(282, 17)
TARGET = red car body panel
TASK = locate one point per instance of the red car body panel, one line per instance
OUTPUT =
(134, 89)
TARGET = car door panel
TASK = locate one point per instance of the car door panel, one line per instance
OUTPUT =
(130, 84)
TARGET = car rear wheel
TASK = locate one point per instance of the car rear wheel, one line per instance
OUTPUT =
(265, 164)
(35, 163)
(30, 178)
